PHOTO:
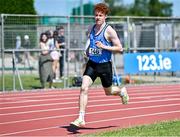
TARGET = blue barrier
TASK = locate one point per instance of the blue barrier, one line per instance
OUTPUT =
(116, 80)
(151, 62)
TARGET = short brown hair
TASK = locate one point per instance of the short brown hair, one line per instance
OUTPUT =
(102, 7)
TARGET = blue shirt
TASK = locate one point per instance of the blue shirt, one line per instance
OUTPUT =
(96, 54)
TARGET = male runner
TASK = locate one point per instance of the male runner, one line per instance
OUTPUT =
(103, 41)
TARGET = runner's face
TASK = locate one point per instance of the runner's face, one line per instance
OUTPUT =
(99, 17)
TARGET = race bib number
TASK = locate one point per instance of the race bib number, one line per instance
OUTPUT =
(95, 52)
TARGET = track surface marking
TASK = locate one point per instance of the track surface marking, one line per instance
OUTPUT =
(48, 113)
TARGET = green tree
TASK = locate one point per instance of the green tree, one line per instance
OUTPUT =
(157, 8)
(167, 8)
(17, 7)
(18, 25)
(140, 8)
(117, 8)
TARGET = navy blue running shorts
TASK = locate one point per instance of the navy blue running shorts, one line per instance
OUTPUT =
(102, 70)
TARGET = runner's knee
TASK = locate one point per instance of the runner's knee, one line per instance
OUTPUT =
(108, 93)
(84, 89)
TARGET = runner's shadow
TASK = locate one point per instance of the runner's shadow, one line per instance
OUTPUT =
(36, 87)
(75, 130)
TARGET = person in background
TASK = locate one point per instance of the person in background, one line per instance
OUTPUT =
(103, 41)
(61, 44)
(177, 43)
(55, 55)
(45, 62)
(26, 46)
(18, 46)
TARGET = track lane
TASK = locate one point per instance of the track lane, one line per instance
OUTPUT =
(47, 114)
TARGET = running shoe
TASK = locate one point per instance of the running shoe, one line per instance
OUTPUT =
(78, 123)
(124, 96)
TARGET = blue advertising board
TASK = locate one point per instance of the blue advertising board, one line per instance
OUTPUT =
(151, 62)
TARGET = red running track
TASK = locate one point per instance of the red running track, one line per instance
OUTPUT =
(48, 113)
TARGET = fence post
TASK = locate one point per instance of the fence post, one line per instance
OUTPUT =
(2, 50)
(16, 72)
(68, 47)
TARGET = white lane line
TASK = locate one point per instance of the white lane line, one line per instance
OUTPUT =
(97, 112)
(98, 100)
(50, 92)
(70, 91)
(59, 94)
(135, 116)
(91, 96)
(92, 122)
(26, 131)
(89, 106)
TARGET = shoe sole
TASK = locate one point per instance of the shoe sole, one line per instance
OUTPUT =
(72, 123)
(126, 101)
(126, 96)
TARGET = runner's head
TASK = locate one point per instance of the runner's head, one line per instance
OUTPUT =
(101, 7)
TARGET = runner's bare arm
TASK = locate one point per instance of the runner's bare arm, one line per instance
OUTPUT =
(111, 36)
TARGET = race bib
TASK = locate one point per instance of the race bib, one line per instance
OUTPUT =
(95, 52)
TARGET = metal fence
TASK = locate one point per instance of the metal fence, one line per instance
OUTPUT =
(137, 34)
